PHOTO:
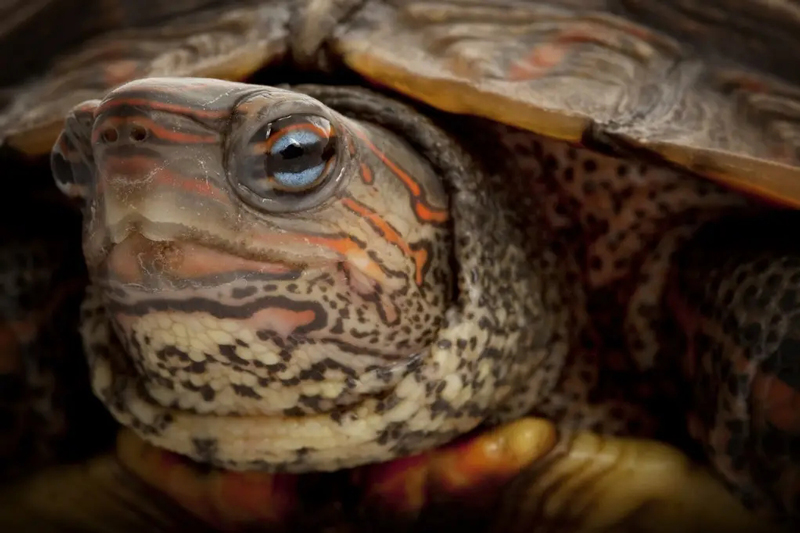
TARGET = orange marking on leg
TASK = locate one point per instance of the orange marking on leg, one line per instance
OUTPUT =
(471, 469)
(399, 485)
(385, 230)
(779, 402)
(424, 212)
(254, 497)
(227, 501)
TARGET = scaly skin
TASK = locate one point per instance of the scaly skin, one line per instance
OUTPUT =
(208, 326)
(300, 332)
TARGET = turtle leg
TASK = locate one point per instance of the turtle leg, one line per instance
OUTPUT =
(528, 476)
(735, 292)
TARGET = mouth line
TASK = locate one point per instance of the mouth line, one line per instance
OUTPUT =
(161, 252)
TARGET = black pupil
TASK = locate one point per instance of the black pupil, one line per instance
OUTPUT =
(293, 151)
(298, 157)
(300, 147)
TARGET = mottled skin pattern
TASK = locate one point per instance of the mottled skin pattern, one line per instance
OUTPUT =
(238, 354)
(305, 332)
(614, 224)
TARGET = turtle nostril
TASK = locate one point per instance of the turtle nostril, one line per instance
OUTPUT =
(109, 135)
(138, 133)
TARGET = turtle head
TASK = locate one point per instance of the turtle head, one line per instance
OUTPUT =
(273, 271)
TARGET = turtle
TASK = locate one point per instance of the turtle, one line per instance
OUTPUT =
(512, 264)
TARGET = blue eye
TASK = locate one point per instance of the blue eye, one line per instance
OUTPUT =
(285, 165)
(299, 151)
(293, 156)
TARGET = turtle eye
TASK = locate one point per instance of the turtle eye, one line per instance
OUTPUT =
(288, 158)
(298, 154)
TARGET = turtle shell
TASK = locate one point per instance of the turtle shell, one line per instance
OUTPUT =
(664, 81)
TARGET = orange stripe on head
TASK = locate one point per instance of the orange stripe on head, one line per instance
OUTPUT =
(346, 247)
(156, 105)
(385, 230)
(351, 146)
(366, 174)
(422, 210)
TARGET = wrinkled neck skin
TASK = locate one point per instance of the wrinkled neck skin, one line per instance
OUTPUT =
(331, 334)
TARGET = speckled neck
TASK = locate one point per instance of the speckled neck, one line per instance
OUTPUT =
(483, 363)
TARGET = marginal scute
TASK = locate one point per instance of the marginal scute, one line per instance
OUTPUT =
(536, 66)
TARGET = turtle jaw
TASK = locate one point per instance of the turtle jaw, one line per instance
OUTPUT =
(271, 352)
(385, 411)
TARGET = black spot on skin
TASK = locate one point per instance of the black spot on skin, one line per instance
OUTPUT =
(172, 351)
(207, 393)
(785, 363)
(229, 352)
(550, 163)
(315, 373)
(245, 392)
(750, 334)
(205, 449)
(788, 301)
(312, 402)
(197, 367)
(243, 292)
(291, 382)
